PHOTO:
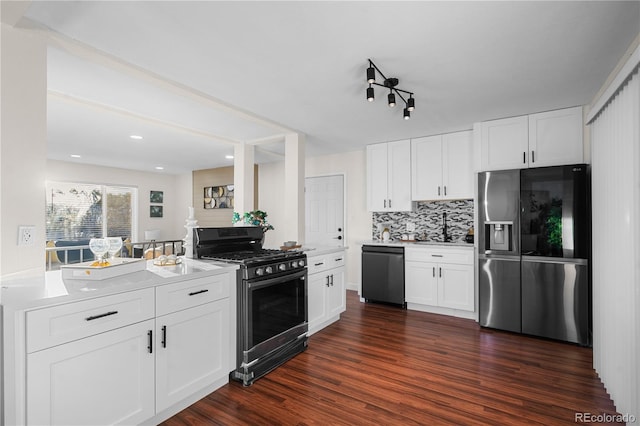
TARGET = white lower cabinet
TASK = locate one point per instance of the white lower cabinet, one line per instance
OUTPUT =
(117, 360)
(326, 290)
(420, 283)
(455, 286)
(440, 280)
(103, 379)
(190, 351)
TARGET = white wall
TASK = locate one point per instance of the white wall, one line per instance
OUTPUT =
(22, 148)
(357, 219)
(177, 193)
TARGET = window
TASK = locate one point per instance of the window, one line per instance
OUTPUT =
(78, 211)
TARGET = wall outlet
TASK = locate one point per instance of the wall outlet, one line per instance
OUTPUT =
(411, 227)
(26, 235)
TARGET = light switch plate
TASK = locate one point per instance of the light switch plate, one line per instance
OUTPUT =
(26, 235)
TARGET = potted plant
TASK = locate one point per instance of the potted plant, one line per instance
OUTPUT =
(253, 218)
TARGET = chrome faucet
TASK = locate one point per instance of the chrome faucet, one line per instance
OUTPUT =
(446, 238)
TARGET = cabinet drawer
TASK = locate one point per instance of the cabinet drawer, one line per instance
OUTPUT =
(317, 264)
(185, 294)
(49, 327)
(439, 255)
(335, 260)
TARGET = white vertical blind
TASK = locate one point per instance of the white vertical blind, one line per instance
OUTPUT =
(615, 156)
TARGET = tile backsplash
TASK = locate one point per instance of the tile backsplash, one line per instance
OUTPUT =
(428, 220)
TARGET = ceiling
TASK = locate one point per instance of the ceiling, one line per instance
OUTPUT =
(196, 78)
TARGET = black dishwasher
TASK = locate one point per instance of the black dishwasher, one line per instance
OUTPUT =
(383, 274)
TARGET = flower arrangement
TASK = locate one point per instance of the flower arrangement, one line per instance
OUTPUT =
(254, 218)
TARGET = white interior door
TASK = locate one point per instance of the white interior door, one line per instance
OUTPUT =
(324, 206)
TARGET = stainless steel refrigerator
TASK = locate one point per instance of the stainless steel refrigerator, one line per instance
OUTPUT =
(534, 249)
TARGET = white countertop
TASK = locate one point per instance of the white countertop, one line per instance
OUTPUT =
(401, 243)
(51, 288)
(321, 250)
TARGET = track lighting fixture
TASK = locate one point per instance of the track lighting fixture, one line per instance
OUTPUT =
(390, 83)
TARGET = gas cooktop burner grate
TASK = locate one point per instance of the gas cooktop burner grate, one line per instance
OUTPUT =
(247, 255)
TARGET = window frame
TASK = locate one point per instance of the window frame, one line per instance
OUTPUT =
(104, 188)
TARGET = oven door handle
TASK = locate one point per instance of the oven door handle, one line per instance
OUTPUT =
(253, 284)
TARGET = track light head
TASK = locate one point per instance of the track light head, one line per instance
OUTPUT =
(371, 75)
(411, 103)
(392, 99)
(370, 96)
(407, 114)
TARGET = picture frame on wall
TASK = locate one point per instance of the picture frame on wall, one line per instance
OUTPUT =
(156, 196)
(219, 197)
(155, 211)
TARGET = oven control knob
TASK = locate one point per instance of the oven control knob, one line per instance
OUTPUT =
(282, 267)
(294, 264)
(269, 270)
(259, 271)
(301, 263)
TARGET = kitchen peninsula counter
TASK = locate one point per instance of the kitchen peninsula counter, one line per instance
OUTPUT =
(50, 288)
(130, 338)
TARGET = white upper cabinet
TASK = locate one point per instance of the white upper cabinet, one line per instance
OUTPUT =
(389, 176)
(545, 139)
(555, 138)
(442, 167)
(504, 143)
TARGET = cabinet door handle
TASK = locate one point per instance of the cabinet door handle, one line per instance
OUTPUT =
(164, 336)
(318, 264)
(331, 280)
(95, 317)
(524, 157)
(327, 281)
(437, 255)
(150, 345)
(389, 202)
(338, 259)
(440, 272)
(533, 156)
(434, 272)
(438, 190)
(445, 190)
(385, 203)
(193, 293)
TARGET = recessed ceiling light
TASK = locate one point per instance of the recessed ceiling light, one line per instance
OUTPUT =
(137, 137)
(159, 168)
(76, 156)
(229, 157)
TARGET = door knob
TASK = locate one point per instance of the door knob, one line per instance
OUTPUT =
(339, 237)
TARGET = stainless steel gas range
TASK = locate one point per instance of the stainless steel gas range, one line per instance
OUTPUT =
(272, 297)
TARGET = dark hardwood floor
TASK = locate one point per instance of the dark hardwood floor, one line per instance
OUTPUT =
(382, 365)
